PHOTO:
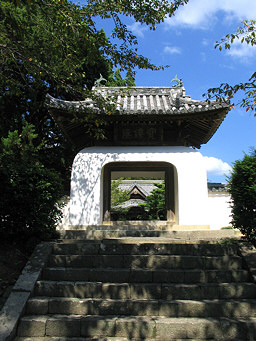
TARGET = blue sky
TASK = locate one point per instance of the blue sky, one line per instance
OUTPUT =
(186, 43)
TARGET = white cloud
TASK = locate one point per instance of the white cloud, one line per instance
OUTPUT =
(216, 166)
(201, 14)
(137, 29)
(205, 42)
(243, 51)
(172, 50)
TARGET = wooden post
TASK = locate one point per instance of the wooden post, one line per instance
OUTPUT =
(106, 193)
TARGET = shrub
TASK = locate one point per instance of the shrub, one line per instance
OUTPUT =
(155, 204)
(29, 191)
(242, 187)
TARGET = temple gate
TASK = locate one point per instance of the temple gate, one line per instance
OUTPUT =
(154, 130)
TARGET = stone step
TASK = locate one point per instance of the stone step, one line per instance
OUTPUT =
(46, 338)
(164, 291)
(120, 275)
(109, 232)
(156, 328)
(147, 261)
(142, 247)
(174, 308)
(51, 338)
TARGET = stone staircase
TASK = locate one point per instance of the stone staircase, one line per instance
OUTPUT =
(141, 289)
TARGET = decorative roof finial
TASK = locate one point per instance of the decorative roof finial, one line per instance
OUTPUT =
(98, 82)
(179, 82)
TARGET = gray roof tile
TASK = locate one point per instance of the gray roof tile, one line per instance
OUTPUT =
(142, 100)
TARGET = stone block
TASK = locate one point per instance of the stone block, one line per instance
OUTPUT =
(219, 263)
(116, 290)
(210, 291)
(237, 309)
(179, 308)
(88, 248)
(56, 260)
(32, 326)
(219, 329)
(110, 261)
(70, 306)
(142, 308)
(168, 276)
(111, 307)
(37, 306)
(251, 330)
(94, 326)
(66, 274)
(140, 276)
(194, 276)
(237, 290)
(109, 247)
(63, 326)
(77, 248)
(65, 289)
(180, 291)
(46, 288)
(87, 289)
(192, 262)
(136, 261)
(140, 327)
(109, 275)
(171, 328)
(10, 314)
(146, 291)
(33, 268)
(77, 261)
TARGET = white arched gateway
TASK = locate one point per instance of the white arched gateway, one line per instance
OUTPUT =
(183, 169)
(152, 133)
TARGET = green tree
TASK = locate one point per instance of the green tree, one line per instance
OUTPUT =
(53, 46)
(118, 196)
(29, 191)
(246, 34)
(242, 187)
(116, 79)
(155, 204)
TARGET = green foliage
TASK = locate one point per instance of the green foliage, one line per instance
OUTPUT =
(116, 79)
(118, 196)
(58, 43)
(155, 204)
(244, 34)
(53, 46)
(242, 187)
(29, 191)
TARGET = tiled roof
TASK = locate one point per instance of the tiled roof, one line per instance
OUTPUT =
(142, 100)
(142, 116)
(156, 100)
(129, 203)
(145, 186)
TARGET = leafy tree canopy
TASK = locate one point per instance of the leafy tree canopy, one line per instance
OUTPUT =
(155, 204)
(246, 34)
(53, 46)
(242, 187)
(29, 190)
(58, 42)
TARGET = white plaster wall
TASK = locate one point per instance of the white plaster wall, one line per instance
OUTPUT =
(219, 211)
(87, 179)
